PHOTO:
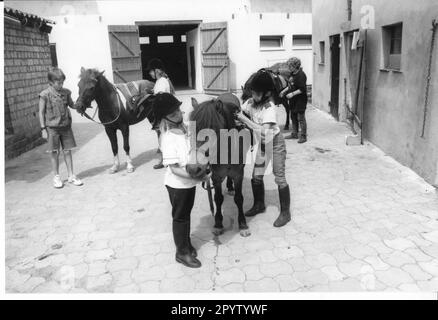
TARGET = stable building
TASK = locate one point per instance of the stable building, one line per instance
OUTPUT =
(207, 46)
(27, 59)
(376, 67)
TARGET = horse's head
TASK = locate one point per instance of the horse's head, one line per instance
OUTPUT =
(88, 83)
(214, 115)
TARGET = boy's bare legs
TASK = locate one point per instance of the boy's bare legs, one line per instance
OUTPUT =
(68, 158)
(68, 162)
(57, 182)
(55, 162)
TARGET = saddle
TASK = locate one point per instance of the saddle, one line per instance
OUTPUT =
(135, 93)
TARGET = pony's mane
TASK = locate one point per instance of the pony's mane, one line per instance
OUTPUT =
(214, 115)
(88, 72)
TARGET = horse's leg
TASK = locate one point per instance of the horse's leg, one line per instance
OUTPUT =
(125, 132)
(218, 199)
(112, 135)
(238, 199)
(230, 187)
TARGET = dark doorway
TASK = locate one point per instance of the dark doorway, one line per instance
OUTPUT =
(334, 71)
(168, 43)
(192, 67)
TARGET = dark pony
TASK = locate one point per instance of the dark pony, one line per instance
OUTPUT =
(112, 114)
(280, 83)
(217, 116)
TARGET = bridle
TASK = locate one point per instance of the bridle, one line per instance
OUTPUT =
(109, 122)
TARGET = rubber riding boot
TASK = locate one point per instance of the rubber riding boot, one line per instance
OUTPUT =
(192, 249)
(183, 254)
(258, 191)
(303, 138)
(284, 216)
(293, 135)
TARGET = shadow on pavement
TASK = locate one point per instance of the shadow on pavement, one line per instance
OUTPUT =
(204, 229)
(35, 164)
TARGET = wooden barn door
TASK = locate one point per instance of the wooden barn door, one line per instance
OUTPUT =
(125, 53)
(215, 63)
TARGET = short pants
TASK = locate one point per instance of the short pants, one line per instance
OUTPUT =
(60, 137)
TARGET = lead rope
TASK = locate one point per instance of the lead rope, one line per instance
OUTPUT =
(428, 78)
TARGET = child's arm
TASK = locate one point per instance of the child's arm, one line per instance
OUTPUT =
(42, 111)
(181, 172)
(259, 129)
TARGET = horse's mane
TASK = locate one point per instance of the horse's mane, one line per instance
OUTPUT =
(213, 114)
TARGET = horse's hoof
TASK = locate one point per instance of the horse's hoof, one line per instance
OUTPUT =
(113, 169)
(230, 192)
(218, 231)
(130, 169)
(245, 233)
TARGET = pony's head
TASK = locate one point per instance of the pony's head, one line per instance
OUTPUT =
(214, 115)
(87, 88)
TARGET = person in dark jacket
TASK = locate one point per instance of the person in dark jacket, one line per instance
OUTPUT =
(296, 93)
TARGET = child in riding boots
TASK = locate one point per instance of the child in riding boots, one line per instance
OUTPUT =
(175, 146)
(296, 93)
(162, 84)
(55, 121)
(262, 116)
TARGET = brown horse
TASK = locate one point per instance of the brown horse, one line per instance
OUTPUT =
(219, 118)
(111, 112)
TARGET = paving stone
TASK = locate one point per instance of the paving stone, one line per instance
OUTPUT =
(97, 268)
(400, 244)
(311, 278)
(122, 264)
(393, 277)
(141, 275)
(353, 268)
(377, 263)
(430, 267)
(418, 255)
(94, 255)
(183, 284)
(263, 285)
(276, 268)
(333, 273)
(397, 258)
(99, 283)
(252, 272)
(150, 287)
(288, 284)
(320, 260)
(416, 272)
(347, 285)
(132, 288)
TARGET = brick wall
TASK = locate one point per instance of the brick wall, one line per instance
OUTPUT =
(27, 60)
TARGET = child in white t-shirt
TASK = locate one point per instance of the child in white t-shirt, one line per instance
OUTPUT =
(175, 146)
(262, 119)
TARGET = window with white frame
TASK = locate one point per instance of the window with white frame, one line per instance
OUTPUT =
(271, 42)
(302, 41)
(165, 39)
(322, 52)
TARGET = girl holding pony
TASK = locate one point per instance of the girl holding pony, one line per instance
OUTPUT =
(262, 117)
(175, 146)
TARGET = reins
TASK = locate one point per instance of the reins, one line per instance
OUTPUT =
(106, 123)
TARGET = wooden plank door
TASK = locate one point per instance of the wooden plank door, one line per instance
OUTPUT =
(215, 62)
(125, 53)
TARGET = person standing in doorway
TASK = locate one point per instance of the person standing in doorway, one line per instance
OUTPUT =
(296, 93)
(157, 72)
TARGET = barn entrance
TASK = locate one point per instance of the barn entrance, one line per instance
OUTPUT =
(195, 54)
(171, 42)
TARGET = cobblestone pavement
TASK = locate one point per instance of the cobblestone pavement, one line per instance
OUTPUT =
(361, 222)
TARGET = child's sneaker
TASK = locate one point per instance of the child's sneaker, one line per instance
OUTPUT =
(75, 180)
(57, 182)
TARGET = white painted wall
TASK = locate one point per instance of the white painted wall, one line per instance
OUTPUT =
(82, 38)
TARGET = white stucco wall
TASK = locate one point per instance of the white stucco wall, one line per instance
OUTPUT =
(81, 33)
